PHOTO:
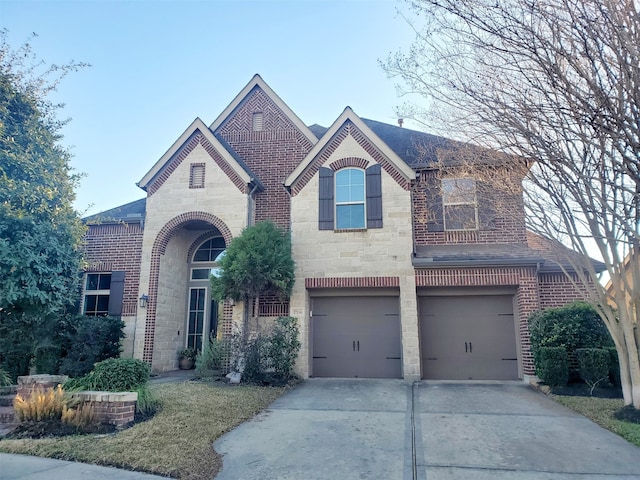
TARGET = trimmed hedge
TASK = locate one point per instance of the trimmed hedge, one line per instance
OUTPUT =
(576, 325)
(113, 375)
(614, 367)
(594, 364)
(553, 366)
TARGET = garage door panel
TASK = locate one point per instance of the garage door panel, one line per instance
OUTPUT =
(468, 337)
(356, 337)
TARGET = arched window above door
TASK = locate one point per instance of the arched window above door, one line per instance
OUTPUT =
(211, 250)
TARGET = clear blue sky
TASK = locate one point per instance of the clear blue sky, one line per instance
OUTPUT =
(157, 65)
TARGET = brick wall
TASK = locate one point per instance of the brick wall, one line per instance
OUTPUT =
(117, 247)
(505, 228)
(556, 290)
(271, 153)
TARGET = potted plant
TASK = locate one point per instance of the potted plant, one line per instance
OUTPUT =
(187, 358)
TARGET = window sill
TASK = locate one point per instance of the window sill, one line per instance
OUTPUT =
(346, 230)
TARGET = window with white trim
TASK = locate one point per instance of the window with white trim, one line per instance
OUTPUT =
(460, 204)
(350, 199)
(97, 291)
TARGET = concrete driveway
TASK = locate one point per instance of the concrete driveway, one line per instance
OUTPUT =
(389, 429)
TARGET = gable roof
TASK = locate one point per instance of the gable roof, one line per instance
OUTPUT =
(258, 82)
(420, 150)
(236, 165)
(348, 115)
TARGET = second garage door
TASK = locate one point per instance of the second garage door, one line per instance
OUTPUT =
(356, 337)
(468, 337)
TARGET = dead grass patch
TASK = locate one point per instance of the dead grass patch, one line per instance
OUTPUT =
(177, 442)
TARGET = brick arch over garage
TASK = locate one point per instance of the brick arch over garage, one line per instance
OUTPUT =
(159, 248)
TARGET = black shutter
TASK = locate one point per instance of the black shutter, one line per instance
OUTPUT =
(116, 294)
(326, 205)
(486, 210)
(374, 197)
(433, 193)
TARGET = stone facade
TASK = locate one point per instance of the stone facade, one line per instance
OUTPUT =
(258, 161)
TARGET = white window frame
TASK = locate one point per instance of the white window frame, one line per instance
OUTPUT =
(336, 203)
(459, 202)
(86, 292)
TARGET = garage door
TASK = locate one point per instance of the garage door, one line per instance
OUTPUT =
(468, 337)
(356, 337)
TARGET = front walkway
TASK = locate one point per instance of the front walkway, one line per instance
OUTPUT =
(389, 429)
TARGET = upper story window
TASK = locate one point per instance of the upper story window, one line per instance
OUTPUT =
(460, 205)
(350, 199)
(97, 290)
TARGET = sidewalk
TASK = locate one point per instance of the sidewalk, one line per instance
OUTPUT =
(25, 467)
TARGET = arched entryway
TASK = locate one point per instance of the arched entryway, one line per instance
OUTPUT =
(167, 326)
(203, 311)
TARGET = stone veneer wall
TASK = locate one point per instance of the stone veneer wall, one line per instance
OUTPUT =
(222, 204)
(355, 259)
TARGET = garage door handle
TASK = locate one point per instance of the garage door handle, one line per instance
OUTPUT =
(319, 357)
(466, 348)
(354, 345)
(470, 347)
(358, 345)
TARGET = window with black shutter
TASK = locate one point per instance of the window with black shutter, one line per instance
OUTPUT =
(350, 199)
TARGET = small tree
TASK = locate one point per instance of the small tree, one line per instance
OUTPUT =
(256, 263)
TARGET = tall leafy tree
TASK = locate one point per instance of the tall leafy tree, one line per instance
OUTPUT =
(555, 82)
(40, 232)
(256, 263)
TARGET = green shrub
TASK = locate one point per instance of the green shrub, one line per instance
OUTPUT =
(614, 367)
(213, 358)
(594, 365)
(147, 403)
(255, 360)
(5, 379)
(113, 375)
(576, 325)
(553, 366)
(283, 347)
(91, 340)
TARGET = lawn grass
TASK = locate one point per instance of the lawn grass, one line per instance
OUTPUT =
(177, 442)
(601, 411)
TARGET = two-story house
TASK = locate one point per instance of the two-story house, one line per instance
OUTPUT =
(392, 280)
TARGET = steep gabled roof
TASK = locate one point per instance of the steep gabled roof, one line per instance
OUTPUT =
(348, 115)
(239, 168)
(258, 82)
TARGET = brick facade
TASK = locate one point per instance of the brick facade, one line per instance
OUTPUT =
(261, 135)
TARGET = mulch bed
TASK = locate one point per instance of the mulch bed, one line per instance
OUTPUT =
(55, 428)
(628, 414)
(583, 390)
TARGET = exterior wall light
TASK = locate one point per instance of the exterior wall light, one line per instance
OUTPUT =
(143, 300)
